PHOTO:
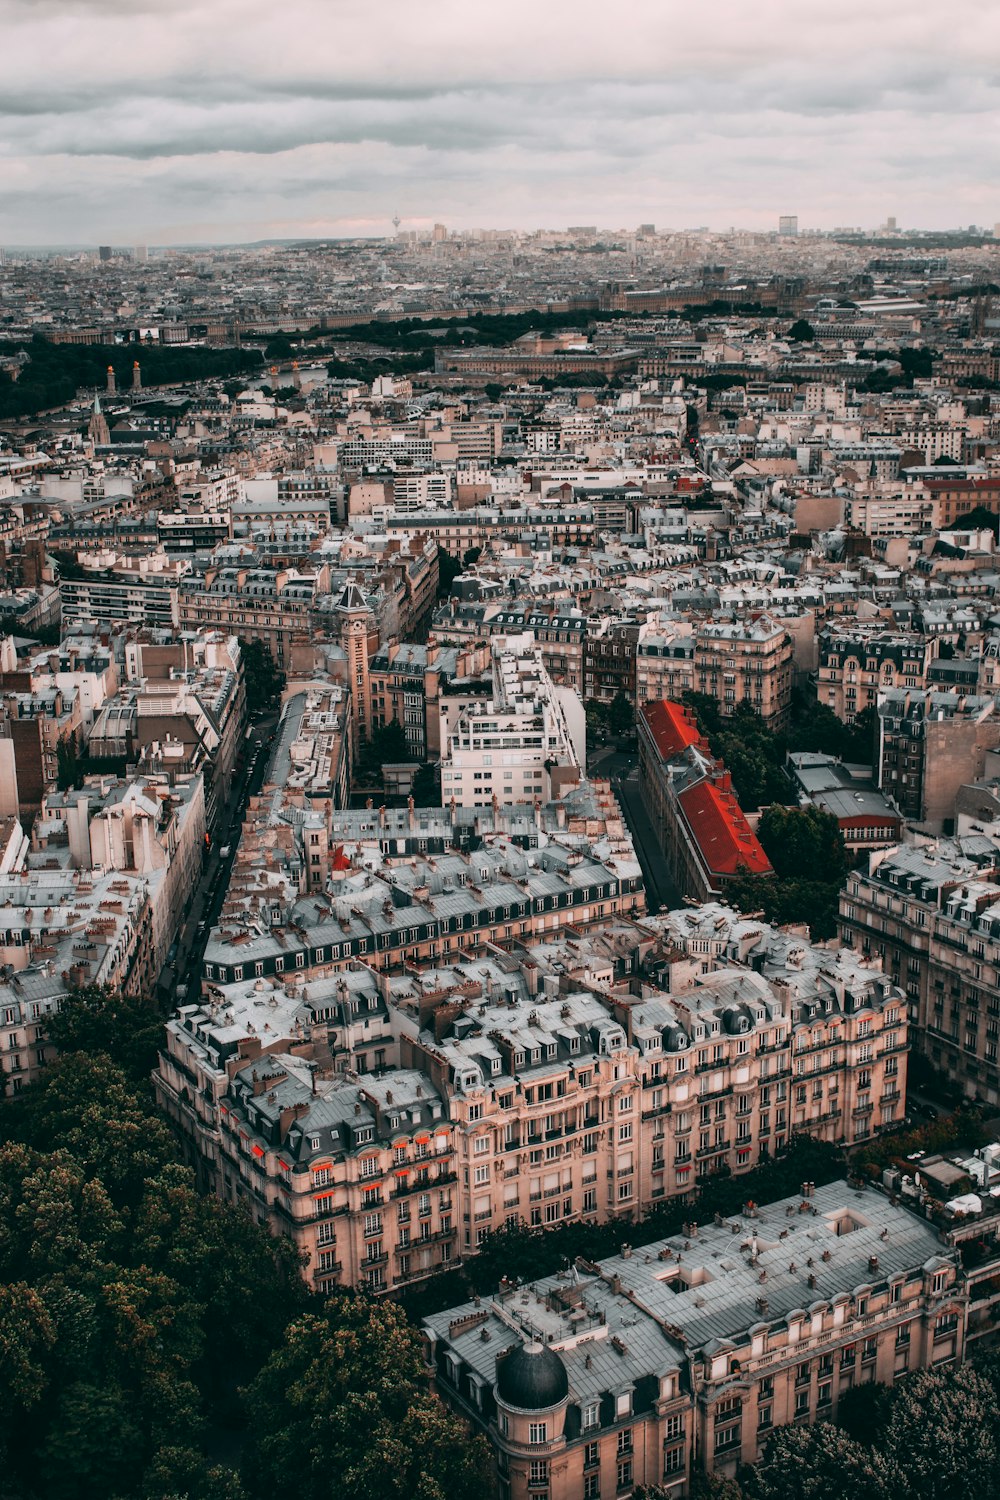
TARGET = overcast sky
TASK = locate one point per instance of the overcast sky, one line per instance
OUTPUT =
(158, 121)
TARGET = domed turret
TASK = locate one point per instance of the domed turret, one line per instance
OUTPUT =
(532, 1378)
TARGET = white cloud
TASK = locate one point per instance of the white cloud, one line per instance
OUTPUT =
(137, 120)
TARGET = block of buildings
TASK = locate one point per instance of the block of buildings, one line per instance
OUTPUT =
(684, 1355)
(693, 809)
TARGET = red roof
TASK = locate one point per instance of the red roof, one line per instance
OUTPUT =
(341, 861)
(672, 727)
(719, 827)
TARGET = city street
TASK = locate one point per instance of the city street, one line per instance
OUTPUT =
(661, 892)
(209, 894)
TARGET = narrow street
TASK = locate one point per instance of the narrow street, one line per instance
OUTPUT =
(184, 973)
(661, 892)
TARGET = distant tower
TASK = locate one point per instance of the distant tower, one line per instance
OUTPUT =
(112, 388)
(354, 619)
(136, 376)
(97, 427)
(396, 221)
(788, 224)
(439, 233)
(296, 377)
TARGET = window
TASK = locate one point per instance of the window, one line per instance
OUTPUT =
(538, 1432)
(625, 1440)
(624, 1473)
(675, 1425)
(673, 1460)
(623, 1404)
(481, 1145)
(591, 1455)
(592, 1487)
(539, 1471)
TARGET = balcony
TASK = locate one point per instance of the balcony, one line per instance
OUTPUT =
(712, 1150)
(375, 1260)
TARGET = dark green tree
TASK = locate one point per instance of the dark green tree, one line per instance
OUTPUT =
(802, 332)
(96, 1019)
(621, 714)
(803, 843)
(941, 1440)
(813, 1463)
(449, 568)
(342, 1408)
(262, 679)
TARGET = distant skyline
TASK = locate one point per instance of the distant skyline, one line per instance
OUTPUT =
(129, 121)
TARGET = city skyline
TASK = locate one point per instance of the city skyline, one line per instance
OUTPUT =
(214, 128)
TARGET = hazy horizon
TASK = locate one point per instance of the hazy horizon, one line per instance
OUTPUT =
(224, 123)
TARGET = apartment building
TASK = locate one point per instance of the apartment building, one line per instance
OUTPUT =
(746, 661)
(930, 744)
(180, 712)
(932, 916)
(681, 1358)
(63, 929)
(664, 661)
(855, 665)
(469, 877)
(145, 826)
(609, 665)
(693, 810)
(272, 605)
(525, 741)
(137, 591)
(406, 682)
(565, 1077)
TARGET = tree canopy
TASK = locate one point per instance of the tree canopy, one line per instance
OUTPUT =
(342, 1408)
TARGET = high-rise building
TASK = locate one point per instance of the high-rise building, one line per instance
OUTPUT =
(788, 224)
(104, 252)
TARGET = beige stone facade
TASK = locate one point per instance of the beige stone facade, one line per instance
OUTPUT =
(683, 1356)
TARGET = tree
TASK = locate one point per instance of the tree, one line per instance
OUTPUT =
(97, 1019)
(386, 744)
(262, 679)
(342, 1408)
(802, 332)
(426, 789)
(941, 1440)
(812, 1463)
(449, 568)
(803, 843)
(621, 714)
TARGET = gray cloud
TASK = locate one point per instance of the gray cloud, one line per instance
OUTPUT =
(139, 119)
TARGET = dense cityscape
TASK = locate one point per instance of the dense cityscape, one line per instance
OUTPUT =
(500, 849)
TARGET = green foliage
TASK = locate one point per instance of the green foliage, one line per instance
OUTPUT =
(616, 717)
(812, 1463)
(55, 372)
(262, 679)
(449, 568)
(384, 745)
(129, 1303)
(788, 902)
(804, 847)
(45, 635)
(802, 332)
(942, 1437)
(964, 1125)
(621, 714)
(96, 1019)
(342, 1408)
(802, 842)
(427, 786)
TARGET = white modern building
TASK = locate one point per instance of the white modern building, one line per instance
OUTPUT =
(525, 742)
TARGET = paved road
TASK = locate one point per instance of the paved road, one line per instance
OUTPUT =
(209, 894)
(661, 892)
